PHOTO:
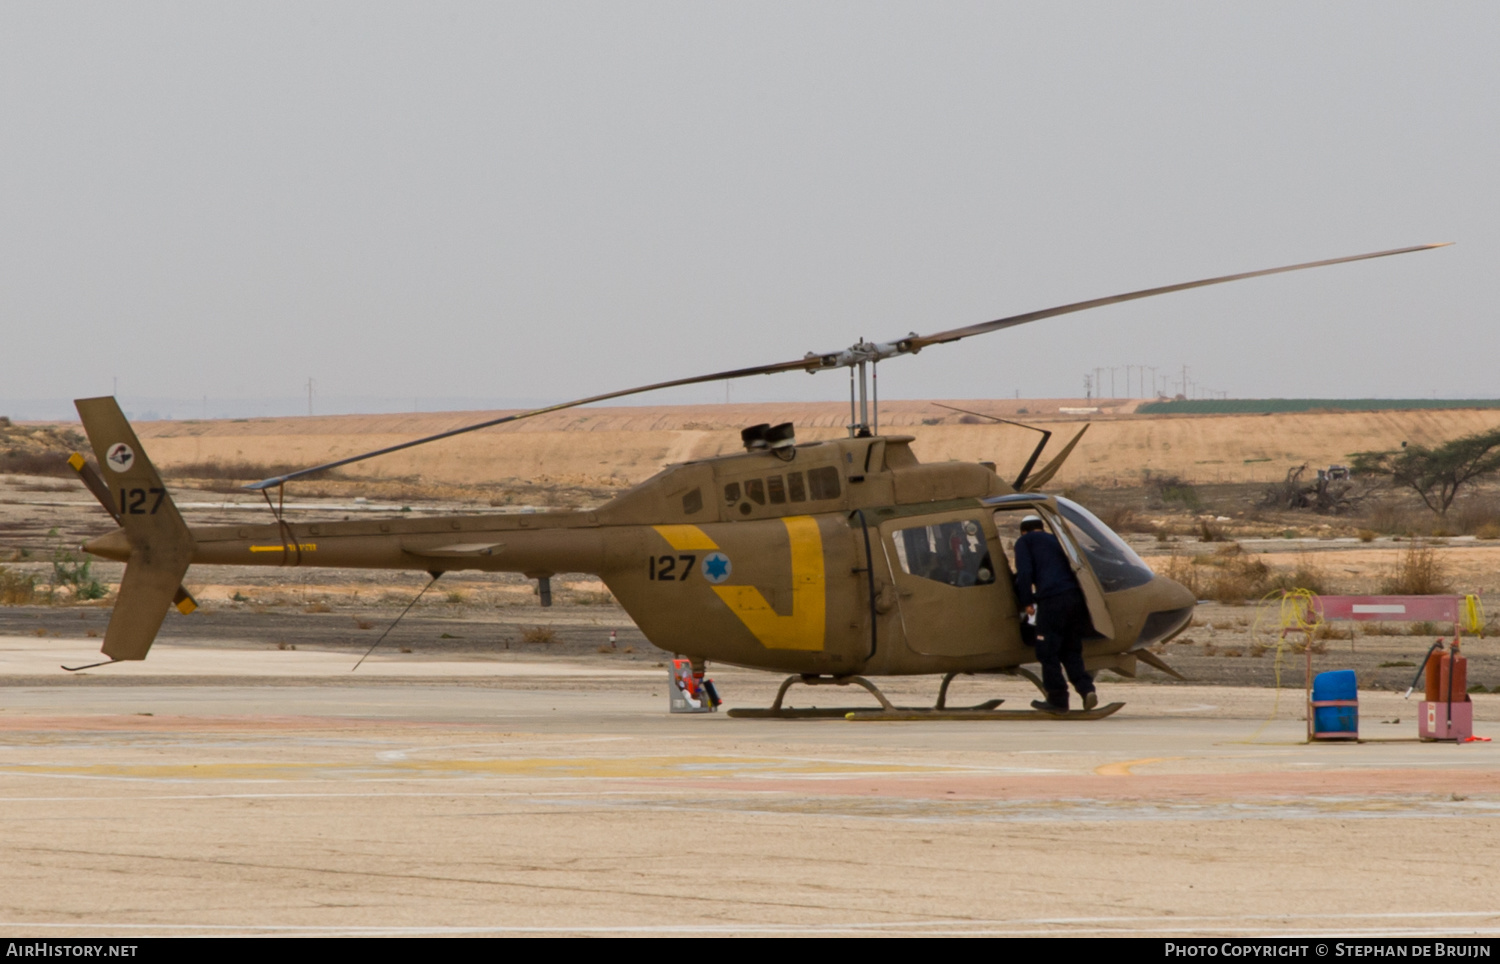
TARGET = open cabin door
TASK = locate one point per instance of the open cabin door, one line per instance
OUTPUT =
(1010, 509)
(944, 569)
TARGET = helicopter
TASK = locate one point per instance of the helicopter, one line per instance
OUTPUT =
(831, 561)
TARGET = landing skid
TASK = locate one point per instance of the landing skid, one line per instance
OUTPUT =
(1097, 713)
(940, 711)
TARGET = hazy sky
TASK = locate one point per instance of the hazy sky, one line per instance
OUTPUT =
(547, 200)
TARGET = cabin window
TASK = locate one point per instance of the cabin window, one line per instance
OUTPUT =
(824, 482)
(952, 553)
(692, 502)
(731, 493)
(755, 490)
(796, 490)
(776, 489)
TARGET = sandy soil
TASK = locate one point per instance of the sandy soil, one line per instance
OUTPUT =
(613, 446)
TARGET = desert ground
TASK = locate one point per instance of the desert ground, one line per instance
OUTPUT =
(609, 447)
(499, 768)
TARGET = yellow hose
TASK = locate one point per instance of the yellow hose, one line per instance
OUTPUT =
(1297, 611)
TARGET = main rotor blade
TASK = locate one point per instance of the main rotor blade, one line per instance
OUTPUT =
(917, 342)
(811, 363)
(815, 362)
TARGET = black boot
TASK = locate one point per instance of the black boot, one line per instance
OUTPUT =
(1054, 703)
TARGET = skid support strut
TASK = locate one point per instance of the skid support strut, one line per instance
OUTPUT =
(888, 711)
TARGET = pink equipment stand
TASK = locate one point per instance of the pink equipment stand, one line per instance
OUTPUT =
(1445, 721)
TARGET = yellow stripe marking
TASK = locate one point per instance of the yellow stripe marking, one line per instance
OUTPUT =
(684, 537)
(803, 629)
(300, 547)
(76, 461)
(1122, 769)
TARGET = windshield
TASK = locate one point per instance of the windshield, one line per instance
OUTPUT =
(1114, 562)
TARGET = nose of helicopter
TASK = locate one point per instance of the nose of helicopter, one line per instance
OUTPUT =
(1169, 607)
(1173, 594)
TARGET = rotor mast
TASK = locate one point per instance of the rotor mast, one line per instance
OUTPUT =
(863, 359)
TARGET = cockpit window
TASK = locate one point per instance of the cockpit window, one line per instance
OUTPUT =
(1114, 562)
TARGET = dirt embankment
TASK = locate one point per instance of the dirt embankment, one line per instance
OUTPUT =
(37, 449)
(621, 446)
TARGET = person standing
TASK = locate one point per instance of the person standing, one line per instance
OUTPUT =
(1047, 588)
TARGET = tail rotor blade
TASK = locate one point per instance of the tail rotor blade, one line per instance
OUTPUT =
(95, 484)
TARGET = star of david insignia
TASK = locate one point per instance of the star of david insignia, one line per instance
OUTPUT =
(716, 567)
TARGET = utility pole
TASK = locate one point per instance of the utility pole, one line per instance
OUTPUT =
(1088, 388)
(309, 394)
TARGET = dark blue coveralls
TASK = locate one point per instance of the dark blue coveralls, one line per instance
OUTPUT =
(1045, 577)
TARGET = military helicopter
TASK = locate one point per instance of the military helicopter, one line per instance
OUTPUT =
(831, 561)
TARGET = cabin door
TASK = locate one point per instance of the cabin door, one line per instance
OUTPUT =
(1009, 517)
(950, 600)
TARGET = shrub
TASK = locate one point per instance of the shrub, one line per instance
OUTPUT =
(1390, 519)
(539, 634)
(1208, 531)
(1173, 491)
(69, 571)
(1121, 518)
(1418, 572)
(1306, 575)
(1180, 568)
(1229, 575)
(16, 588)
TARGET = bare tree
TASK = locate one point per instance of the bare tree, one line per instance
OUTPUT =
(1323, 494)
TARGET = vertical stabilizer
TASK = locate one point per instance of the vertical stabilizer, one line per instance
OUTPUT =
(161, 547)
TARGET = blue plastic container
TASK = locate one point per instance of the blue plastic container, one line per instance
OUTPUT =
(1339, 684)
